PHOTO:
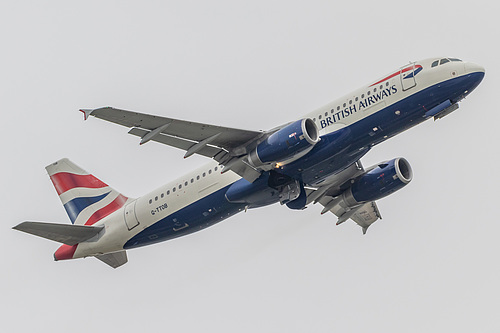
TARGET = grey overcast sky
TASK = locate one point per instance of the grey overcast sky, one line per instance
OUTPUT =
(430, 265)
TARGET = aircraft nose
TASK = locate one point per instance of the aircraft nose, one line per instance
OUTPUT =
(474, 74)
(471, 67)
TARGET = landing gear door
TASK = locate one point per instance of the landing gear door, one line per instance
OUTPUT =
(130, 217)
(407, 75)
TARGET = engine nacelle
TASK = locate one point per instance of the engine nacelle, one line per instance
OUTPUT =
(385, 179)
(292, 140)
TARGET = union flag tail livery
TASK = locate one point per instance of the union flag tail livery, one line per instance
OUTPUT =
(314, 159)
(85, 198)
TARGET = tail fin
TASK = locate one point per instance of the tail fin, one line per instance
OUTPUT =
(85, 198)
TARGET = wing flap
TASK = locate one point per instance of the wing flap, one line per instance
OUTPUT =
(69, 234)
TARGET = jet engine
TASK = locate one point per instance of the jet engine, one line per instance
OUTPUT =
(384, 179)
(289, 143)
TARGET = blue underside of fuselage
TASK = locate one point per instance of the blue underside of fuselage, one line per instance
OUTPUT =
(197, 216)
(335, 152)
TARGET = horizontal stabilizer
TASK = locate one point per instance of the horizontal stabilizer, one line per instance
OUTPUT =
(114, 259)
(69, 234)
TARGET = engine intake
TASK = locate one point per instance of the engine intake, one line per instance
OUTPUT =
(297, 138)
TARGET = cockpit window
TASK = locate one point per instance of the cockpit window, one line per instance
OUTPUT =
(444, 61)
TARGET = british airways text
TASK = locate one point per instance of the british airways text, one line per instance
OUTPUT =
(366, 103)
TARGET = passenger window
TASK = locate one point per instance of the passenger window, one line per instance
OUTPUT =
(186, 184)
(173, 190)
(345, 104)
(374, 90)
(192, 180)
(156, 198)
(168, 192)
(204, 174)
(381, 87)
(338, 107)
(210, 171)
(350, 102)
(356, 99)
(362, 95)
(319, 117)
(387, 84)
(217, 168)
(198, 177)
(150, 201)
(180, 186)
(163, 195)
(444, 61)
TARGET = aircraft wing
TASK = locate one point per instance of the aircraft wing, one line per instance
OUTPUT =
(330, 197)
(223, 144)
(363, 215)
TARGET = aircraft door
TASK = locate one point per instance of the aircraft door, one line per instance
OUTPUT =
(130, 218)
(407, 75)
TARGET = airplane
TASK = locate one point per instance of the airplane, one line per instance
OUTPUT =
(315, 159)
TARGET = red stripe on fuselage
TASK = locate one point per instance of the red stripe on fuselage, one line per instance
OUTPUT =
(105, 211)
(396, 74)
(65, 181)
